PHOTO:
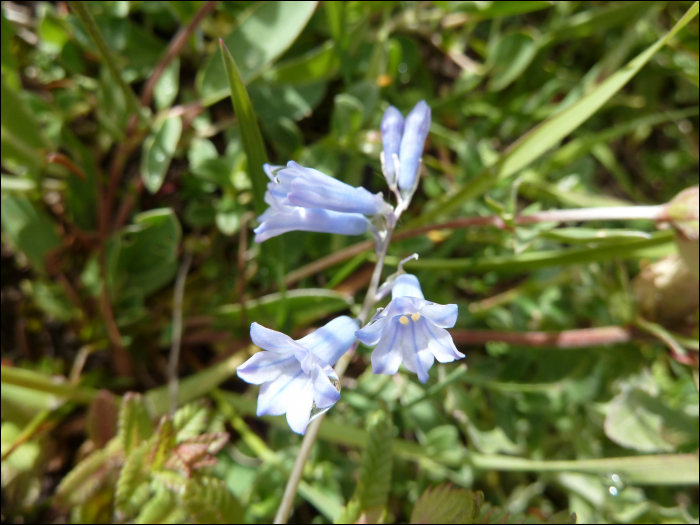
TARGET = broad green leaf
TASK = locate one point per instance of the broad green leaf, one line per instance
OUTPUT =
(250, 131)
(273, 103)
(627, 248)
(265, 31)
(29, 228)
(158, 151)
(320, 64)
(643, 422)
(143, 257)
(22, 137)
(166, 89)
(547, 134)
(510, 58)
(447, 504)
(305, 306)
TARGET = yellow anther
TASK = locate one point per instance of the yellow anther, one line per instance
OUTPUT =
(404, 320)
(415, 317)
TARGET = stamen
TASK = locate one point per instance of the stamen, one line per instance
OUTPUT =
(415, 317)
(404, 320)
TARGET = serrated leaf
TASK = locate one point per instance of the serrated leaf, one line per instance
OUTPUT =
(129, 495)
(372, 490)
(88, 476)
(158, 150)
(135, 424)
(163, 444)
(190, 421)
(447, 504)
(158, 508)
(208, 500)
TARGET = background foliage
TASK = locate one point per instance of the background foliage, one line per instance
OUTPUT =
(129, 188)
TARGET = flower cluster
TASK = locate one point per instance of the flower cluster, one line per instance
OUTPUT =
(296, 377)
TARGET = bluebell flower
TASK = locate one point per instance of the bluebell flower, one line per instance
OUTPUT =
(308, 200)
(296, 377)
(415, 132)
(410, 330)
(309, 188)
(392, 130)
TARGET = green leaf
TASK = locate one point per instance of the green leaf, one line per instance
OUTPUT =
(486, 10)
(28, 228)
(372, 490)
(626, 248)
(8, 63)
(510, 58)
(88, 476)
(592, 235)
(208, 500)
(265, 31)
(347, 116)
(305, 306)
(135, 424)
(22, 137)
(158, 508)
(640, 421)
(166, 89)
(447, 504)
(320, 64)
(250, 131)
(158, 150)
(190, 420)
(144, 255)
(132, 489)
(547, 134)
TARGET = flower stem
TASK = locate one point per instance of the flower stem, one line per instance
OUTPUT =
(307, 443)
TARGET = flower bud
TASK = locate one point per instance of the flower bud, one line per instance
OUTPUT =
(415, 132)
(392, 129)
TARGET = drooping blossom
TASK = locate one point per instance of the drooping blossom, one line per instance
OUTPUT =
(410, 330)
(306, 199)
(296, 376)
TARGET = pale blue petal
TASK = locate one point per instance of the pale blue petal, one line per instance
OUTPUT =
(404, 306)
(332, 340)
(414, 347)
(325, 394)
(275, 396)
(386, 357)
(440, 343)
(299, 407)
(370, 334)
(271, 340)
(312, 220)
(392, 129)
(270, 170)
(406, 285)
(263, 367)
(310, 188)
(415, 132)
(444, 316)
